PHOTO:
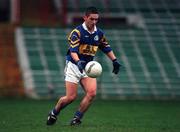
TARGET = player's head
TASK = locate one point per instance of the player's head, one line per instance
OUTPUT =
(91, 17)
(91, 10)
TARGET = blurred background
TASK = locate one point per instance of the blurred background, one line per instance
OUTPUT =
(145, 35)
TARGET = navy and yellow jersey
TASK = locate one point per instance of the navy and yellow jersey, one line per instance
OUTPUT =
(86, 44)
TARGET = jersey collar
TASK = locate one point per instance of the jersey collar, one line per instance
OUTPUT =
(85, 28)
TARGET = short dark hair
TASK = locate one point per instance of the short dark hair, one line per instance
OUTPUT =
(91, 10)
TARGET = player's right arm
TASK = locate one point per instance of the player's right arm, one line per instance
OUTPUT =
(75, 56)
(79, 63)
(74, 41)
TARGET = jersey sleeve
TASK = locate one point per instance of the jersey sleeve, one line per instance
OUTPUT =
(104, 46)
(74, 40)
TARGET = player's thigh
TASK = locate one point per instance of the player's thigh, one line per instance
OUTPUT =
(89, 85)
(71, 89)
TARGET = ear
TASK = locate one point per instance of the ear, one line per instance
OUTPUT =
(85, 17)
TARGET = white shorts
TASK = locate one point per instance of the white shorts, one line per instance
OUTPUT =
(72, 73)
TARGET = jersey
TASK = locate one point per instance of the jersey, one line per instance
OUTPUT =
(86, 44)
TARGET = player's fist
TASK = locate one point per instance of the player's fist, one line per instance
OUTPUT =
(116, 66)
(81, 65)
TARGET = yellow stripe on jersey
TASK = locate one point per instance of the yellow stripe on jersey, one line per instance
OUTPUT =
(104, 41)
(75, 42)
(74, 45)
(75, 30)
(88, 49)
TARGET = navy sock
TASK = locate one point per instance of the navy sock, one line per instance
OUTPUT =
(79, 114)
(55, 112)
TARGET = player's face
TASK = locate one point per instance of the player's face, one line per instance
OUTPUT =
(91, 21)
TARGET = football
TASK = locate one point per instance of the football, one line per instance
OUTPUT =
(93, 69)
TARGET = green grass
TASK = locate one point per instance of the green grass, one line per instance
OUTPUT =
(103, 116)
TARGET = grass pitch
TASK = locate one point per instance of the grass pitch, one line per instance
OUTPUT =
(24, 115)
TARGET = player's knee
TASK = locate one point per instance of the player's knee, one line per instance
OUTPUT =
(71, 98)
(92, 94)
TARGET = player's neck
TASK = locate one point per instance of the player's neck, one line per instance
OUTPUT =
(89, 29)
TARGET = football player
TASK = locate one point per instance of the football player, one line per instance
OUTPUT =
(84, 41)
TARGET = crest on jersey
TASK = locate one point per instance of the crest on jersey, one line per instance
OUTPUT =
(96, 38)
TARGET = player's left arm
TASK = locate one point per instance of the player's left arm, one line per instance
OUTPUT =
(116, 64)
(105, 47)
(111, 55)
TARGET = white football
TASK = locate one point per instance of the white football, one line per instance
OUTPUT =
(93, 69)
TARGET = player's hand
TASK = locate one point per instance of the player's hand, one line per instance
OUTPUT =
(116, 66)
(81, 65)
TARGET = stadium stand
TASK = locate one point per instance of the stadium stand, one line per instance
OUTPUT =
(150, 54)
(10, 75)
